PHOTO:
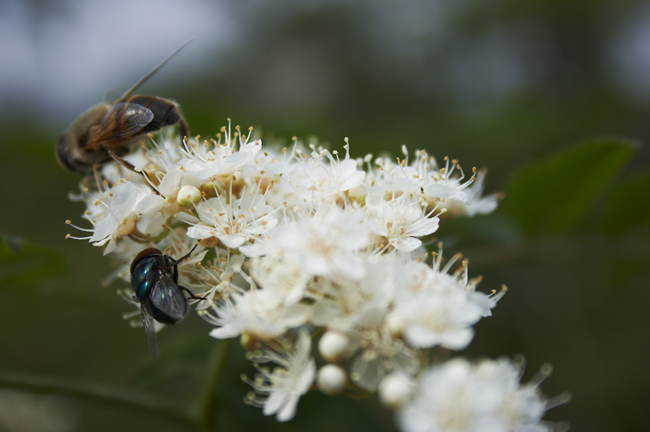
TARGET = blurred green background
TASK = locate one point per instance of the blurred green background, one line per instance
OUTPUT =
(504, 84)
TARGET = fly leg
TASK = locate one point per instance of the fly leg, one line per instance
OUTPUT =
(191, 293)
(181, 259)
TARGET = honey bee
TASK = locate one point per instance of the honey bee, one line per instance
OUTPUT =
(108, 131)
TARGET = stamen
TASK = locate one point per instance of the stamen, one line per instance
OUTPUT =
(68, 236)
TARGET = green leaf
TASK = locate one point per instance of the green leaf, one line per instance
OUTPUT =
(629, 206)
(24, 261)
(555, 195)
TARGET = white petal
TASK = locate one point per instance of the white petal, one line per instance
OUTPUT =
(460, 197)
(253, 251)
(438, 190)
(170, 182)
(426, 227)
(353, 181)
(200, 232)
(457, 339)
(261, 225)
(405, 244)
(350, 266)
(232, 241)
(225, 332)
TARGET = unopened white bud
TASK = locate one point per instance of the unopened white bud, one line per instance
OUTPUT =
(396, 324)
(395, 390)
(331, 379)
(188, 196)
(334, 346)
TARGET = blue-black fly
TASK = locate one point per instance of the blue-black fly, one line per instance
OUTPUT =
(154, 277)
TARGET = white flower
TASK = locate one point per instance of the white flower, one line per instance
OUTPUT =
(441, 183)
(257, 313)
(347, 304)
(286, 383)
(324, 175)
(233, 223)
(438, 308)
(122, 209)
(401, 220)
(379, 355)
(270, 162)
(357, 310)
(424, 177)
(438, 318)
(282, 274)
(460, 397)
(303, 241)
(207, 160)
(174, 179)
(326, 243)
(218, 279)
(475, 203)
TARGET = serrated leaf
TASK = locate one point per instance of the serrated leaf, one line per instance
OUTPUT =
(555, 195)
(629, 206)
(23, 261)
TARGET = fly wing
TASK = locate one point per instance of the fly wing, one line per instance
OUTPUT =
(121, 121)
(168, 298)
(149, 331)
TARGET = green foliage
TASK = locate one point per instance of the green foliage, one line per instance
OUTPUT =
(23, 262)
(629, 206)
(554, 196)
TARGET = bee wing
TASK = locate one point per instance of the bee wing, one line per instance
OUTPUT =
(121, 121)
(149, 331)
(168, 298)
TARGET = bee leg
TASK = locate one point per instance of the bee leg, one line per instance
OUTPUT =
(183, 128)
(191, 294)
(98, 178)
(131, 167)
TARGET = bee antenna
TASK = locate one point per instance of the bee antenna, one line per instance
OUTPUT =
(110, 96)
(150, 74)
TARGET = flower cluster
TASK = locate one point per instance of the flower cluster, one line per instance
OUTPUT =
(304, 244)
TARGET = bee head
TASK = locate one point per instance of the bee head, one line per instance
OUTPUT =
(61, 151)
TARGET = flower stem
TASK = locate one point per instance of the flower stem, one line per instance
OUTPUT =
(97, 392)
(201, 415)
(206, 403)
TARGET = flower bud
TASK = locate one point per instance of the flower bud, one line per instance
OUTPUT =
(334, 346)
(248, 341)
(188, 196)
(396, 325)
(395, 390)
(331, 379)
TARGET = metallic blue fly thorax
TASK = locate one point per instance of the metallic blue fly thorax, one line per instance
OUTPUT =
(144, 275)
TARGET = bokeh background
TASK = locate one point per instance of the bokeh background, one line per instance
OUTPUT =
(498, 83)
